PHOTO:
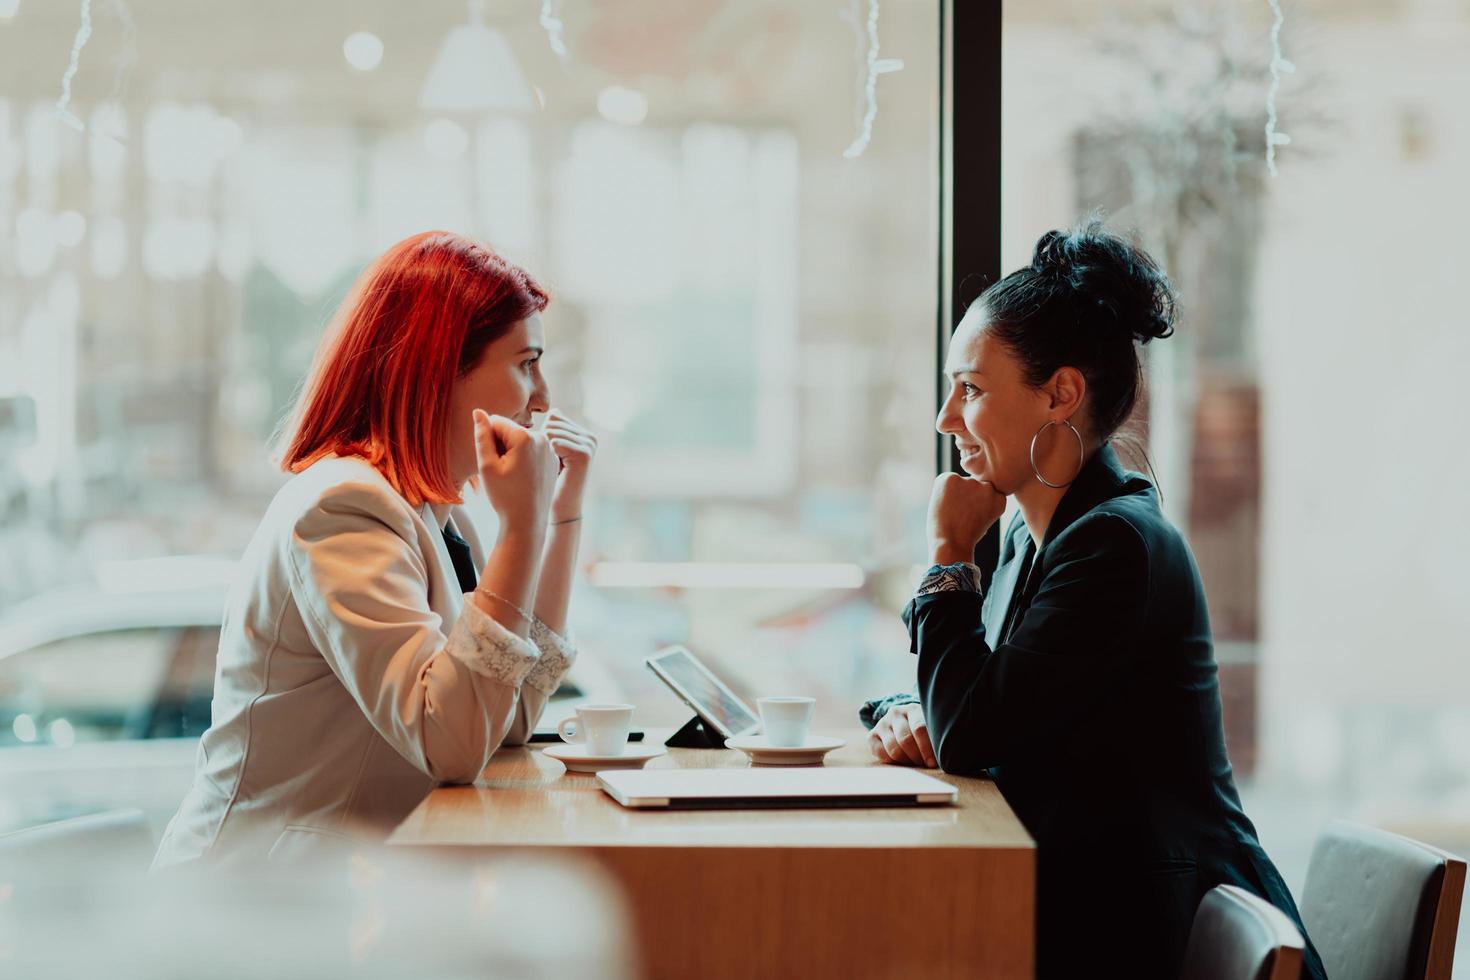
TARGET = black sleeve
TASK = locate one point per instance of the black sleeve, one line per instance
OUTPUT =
(982, 705)
(986, 556)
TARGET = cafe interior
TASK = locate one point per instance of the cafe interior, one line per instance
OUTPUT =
(759, 225)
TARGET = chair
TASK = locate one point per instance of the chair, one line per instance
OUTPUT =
(1382, 907)
(1237, 936)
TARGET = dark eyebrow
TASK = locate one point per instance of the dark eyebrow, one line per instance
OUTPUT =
(530, 350)
(962, 369)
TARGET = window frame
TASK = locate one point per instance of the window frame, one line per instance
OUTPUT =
(969, 175)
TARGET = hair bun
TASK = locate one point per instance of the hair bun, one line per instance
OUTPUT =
(1086, 301)
(1119, 290)
(1050, 257)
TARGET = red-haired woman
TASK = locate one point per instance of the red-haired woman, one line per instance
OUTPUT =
(373, 646)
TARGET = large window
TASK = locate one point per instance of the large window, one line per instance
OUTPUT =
(742, 248)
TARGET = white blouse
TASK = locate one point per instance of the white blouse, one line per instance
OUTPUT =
(352, 676)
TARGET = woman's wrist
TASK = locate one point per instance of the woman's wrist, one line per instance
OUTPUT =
(507, 587)
(526, 537)
(949, 552)
(566, 504)
(496, 598)
(525, 515)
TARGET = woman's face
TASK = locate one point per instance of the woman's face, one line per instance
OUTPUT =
(507, 381)
(990, 410)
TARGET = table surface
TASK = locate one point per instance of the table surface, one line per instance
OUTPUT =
(527, 799)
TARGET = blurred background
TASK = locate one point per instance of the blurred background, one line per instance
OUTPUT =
(735, 203)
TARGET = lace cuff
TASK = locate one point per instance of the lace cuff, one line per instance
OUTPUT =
(489, 649)
(558, 653)
(873, 711)
(962, 576)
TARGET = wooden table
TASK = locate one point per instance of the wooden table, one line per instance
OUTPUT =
(880, 892)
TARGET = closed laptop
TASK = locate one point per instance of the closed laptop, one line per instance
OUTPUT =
(711, 789)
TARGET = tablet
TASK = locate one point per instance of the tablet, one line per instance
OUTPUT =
(694, 684)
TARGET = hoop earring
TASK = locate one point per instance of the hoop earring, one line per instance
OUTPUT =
(1080, 452)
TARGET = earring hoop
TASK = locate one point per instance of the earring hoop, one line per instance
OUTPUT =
(1080, 452)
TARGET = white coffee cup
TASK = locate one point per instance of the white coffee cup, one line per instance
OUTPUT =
(786, 720)
(603, 728)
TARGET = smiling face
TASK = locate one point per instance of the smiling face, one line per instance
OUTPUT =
(989, 409)
(507, 381)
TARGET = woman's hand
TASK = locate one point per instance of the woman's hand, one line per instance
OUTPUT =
(518, 469)
(902, 737)
(961, 510)
(574, 447)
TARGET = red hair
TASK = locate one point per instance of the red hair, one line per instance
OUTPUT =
(416, 319)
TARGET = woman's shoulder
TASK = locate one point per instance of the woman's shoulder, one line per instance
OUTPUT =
(1132, 525)
(1142, 513)
(339, 488)
(1130, 522)
(1103, 529)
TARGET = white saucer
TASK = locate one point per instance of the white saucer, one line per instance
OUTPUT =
(577, 759)
(763, 753)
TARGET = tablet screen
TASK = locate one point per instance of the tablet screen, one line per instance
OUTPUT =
(713, 699)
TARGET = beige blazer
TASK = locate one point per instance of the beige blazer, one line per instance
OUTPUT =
(353, 675)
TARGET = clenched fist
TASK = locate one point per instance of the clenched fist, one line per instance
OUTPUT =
(961, 510)
(518, 469)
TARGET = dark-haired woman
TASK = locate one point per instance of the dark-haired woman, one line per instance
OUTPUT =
(1074, 664)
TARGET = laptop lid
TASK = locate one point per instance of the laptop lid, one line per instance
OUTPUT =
(740, 789)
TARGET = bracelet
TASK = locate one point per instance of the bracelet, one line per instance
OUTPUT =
(569, 520)
(481, 590)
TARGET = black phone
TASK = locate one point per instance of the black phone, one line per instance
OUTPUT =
(550, 735)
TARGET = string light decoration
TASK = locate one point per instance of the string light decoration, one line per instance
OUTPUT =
(126, 58)
(873, 67)
(84, 34)
(1279, 66)
(551, 20)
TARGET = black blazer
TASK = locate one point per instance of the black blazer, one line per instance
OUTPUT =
(1085, 684)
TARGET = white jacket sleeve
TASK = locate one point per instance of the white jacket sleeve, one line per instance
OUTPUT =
(556, 656)
(445, 702)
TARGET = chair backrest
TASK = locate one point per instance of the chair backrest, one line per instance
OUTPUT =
(1238, 936)
(120, 835)
(1380, 906)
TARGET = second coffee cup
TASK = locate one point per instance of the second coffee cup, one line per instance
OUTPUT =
(786, 720)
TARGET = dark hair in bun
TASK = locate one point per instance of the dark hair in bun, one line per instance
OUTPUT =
(1086, 301)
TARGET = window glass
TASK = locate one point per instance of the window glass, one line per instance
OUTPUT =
(745, 290)
(124, 684)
